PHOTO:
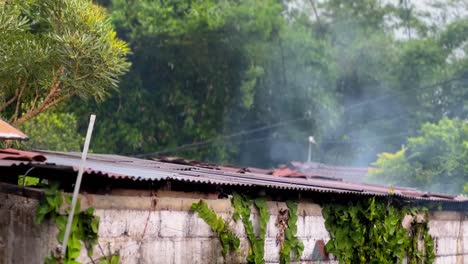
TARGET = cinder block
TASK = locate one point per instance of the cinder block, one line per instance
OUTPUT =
(310, 229)
(254, 219)
(301, 227)
(196, 251)
(446, 246)
(159, 251)
(128, 249)
(309, 209)
(444, 228)
(272, 230)
(236, 227)
(134, 223)
(199, 228)
(314, 227)
(271, 250)
(446, 260)
(465, 228)
(212, 252)
(130, 255)
(112, 223)
(140, 224)
(174, 224)
(154, 225)
(465, 244)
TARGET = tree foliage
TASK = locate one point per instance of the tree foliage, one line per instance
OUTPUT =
(229, 240)
(434, 160)
(247, 82)
(53, 130)
(54, 50)
(252, 80)
(371, 231)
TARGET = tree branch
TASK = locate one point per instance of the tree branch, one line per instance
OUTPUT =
(33, 105)
(9, 102)
(18, 101)
(50, 100)
(34, 112)
(312, 3)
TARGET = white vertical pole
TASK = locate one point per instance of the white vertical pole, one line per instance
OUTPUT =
(78, 183)
(311, 141)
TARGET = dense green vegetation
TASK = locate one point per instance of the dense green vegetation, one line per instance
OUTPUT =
(434, 160)
(229, 241)
(371, 231)
(291, 246)
(244, 82)
(242, 205)
(84, 228)
(52, 51)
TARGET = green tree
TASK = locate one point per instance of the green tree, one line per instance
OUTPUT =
(52, 51)
(435, 160)
(202, 69)
(338, 70)
(53, 130)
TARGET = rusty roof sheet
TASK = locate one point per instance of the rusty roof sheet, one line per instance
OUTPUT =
(7, 131)
(114, 166)
(314, 169)
(14, 154)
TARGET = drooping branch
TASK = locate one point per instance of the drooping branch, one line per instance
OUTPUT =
(12, 99)
(53, 98)
(314, 8)
(18, 100)
(9, 102)
(44, 106)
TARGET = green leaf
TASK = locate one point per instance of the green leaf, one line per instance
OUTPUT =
(42, 211)
(115, 259)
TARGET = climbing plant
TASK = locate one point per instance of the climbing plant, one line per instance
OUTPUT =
(229, 240)
(371, 231)
(242, 210)
(420, 232)
(291, 244)
(84, 230)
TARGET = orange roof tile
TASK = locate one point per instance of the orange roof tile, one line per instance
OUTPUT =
(9, 132)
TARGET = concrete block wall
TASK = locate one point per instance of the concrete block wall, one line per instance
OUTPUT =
(163, 230)
(21, 240)
(450, 232)
(182, 237)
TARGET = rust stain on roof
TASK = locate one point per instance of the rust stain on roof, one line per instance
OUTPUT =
(314, 169)
(287, 172)
(19, 155)
(7, 131)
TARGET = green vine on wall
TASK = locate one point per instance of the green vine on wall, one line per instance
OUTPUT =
(291, 243)
(419, 231)
(229, 241)
(84, 230)
(372, 232)
(242, 210)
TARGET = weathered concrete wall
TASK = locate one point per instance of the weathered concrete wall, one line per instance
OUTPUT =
(163, 230)
(21, 240)
(450, 232)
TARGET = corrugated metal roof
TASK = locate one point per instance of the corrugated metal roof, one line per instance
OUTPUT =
(14, 154)
(114, 166)
(311, 169)
(7, 131)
